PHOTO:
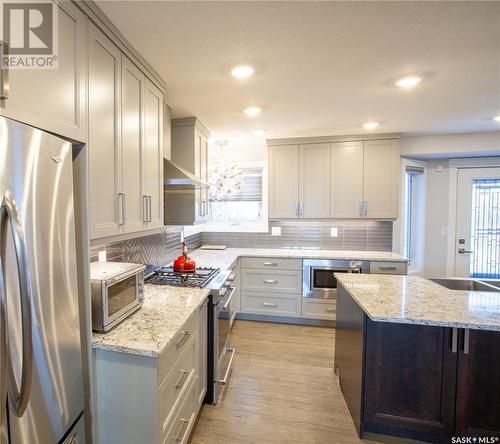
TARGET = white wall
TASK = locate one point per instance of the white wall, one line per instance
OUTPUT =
(251, 149)
(451, 145)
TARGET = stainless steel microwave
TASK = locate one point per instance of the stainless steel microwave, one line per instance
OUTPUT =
(117, 291)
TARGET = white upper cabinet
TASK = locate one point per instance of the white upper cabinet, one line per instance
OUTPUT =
(125, 143)
(314, 180)
(54, 99)
(346, 179)
(153, 155)
(381, 167)
(104, 146)
(132, 144)
(283, 181)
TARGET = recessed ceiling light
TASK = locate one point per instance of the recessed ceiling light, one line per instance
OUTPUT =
(408, 82)
(252, 111)
(497, 118)
(259, 132)
(242, 71)
(370, 125)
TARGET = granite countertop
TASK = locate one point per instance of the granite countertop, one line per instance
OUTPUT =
(225, 258)
(152, 328)
(415, 300)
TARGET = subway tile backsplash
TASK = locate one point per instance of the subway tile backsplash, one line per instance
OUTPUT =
(351, 235)
(161, 248)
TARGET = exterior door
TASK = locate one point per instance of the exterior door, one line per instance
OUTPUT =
(283, 181)
(477, 237)
(314, 180)
(104, 135)
(132, 146)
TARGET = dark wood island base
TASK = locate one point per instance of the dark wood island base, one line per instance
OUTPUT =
(421, 382)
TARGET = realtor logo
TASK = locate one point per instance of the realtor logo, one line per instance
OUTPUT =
(30, 31)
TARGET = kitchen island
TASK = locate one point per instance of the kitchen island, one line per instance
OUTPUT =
(417, 360)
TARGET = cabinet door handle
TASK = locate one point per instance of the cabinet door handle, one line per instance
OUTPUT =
(121, 208)
(365, 208)
(360, 208)
(145, 213)
(183, 339)
(150, 200)
(270, 281)
(4, 82)
(268, 304)
(388, 268)
(180, 383)
(301, 208)
(466, 341)
(270, 264)
(183, 430)
(454, 340)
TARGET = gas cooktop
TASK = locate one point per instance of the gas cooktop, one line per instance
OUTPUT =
(198, 278)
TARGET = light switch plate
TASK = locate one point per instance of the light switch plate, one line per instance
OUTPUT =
(334, 232)
(275, 231)
(102, 256)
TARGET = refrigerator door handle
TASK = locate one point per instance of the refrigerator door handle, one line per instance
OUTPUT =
(3, 347)
(19, 397)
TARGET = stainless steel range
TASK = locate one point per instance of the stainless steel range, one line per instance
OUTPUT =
(220, 313)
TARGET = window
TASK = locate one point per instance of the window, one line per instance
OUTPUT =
(485, 228)
(413, 217)
(236, 194)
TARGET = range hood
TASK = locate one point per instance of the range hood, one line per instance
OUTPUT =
(176, 177)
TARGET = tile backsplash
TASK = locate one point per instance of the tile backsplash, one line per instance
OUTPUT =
(351, 235)
(161, 248)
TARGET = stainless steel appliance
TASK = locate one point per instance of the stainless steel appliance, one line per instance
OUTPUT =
(41, 382)
(117, 291)
(221, 312)
(318, 276)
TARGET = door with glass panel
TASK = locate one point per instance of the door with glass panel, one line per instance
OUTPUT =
(477, 241)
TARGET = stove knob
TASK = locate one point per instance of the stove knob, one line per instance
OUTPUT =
(231, 277)
(222, 292)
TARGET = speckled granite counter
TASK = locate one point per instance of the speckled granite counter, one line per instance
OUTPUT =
(415, 300)
(225, 258)
(148, 331)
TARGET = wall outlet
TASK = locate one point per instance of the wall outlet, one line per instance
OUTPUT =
(334, 232)
(275, 231)
(102, 256)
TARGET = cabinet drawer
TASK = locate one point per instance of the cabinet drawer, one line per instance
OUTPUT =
(257, 303)
(319, 309)
(177, 346)
(273, 263)
(183, 372)
(388, 267)
(278, 281)
(183, 423)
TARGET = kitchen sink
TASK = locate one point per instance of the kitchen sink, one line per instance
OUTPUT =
(466, 284)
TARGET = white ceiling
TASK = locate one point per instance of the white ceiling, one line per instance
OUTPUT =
(322, 68)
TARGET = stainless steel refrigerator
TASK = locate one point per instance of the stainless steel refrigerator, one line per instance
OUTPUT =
(41, 383)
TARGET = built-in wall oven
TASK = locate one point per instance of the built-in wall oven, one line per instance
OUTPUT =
(318, 276)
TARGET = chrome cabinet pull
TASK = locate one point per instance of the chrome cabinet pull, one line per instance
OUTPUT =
(226, 306)
(270, 264)
(466, 341)
(301, 209)
(150, 209)
(360, 208)
(269, 304)
(270, 281)
(3, 345)
(9, 212)
(184, 338)
(365, 208)
(180, 383)
(229, 366)
(121, 208)
(454, 340)
(145, 208)
(185, 423)
(4, 71)
(464, 251)
(388, 268)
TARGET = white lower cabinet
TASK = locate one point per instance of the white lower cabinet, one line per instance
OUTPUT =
(324, 309)
(261, 303)
(142, 399)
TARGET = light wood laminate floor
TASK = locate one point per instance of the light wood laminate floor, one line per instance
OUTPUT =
(282, 390)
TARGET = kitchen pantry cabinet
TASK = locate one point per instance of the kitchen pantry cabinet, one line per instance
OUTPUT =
(343, 180)
(125, 143)
(54, 99)
(167, 399)
(190, 151)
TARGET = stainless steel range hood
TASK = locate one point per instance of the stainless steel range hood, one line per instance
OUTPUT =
(176, 177)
